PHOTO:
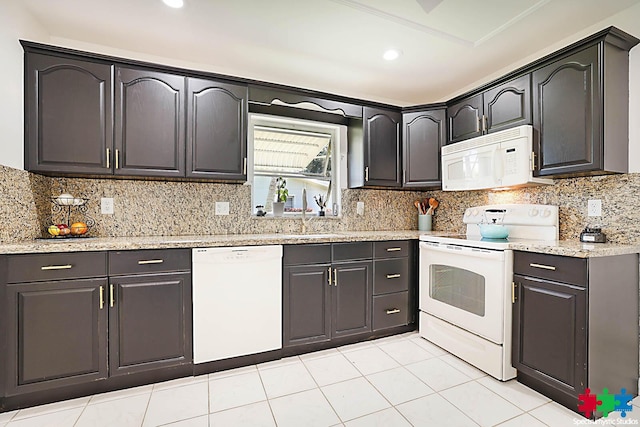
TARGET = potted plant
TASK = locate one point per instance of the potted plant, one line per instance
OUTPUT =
(321, 202)
(281, 196)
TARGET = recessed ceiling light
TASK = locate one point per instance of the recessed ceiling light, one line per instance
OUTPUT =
(392, 54)
(176, 4)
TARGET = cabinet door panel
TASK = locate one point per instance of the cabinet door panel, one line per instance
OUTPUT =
(149, 322)
(307, 312)
(549, 333)
(464, 119)
(567, 107)
(216, 141)
(382, 142)
(351, 300)
(57, 334)
(508, 105)
(424, 134)
(69, 115)
(149, 123)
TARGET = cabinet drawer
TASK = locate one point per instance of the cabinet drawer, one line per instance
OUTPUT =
(390, 310)
(149, 261)
(56, 266)
(552, 267)
(306, 254)
(391, 249)
(352, 251)
(390, 275)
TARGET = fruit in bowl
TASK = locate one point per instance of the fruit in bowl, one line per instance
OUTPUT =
(79, 228)
(63, 229)
(53, 230)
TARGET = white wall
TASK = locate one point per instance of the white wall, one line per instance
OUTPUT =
(15, 23)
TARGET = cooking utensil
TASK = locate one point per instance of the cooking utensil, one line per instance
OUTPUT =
(433, 204)
(418, 205)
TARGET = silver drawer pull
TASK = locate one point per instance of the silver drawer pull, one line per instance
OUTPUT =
(392, 276)
(393, 249)
(150, 261)
(544, 267)
(56, 267)
(393, 311)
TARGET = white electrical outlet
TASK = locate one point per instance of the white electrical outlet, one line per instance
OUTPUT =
(106, 206)
(594, 207)
(360, 208)
(222, 208)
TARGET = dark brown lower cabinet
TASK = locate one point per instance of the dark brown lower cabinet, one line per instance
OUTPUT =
(149, 322)
(351, 298)
(575, 324)
(78, 323)
(550, 332)
(326, 301)
(56, 334)
(307, 300)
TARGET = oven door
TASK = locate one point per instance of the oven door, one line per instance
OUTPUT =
(465, 287)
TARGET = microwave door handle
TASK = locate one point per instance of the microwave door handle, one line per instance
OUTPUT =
(497, 166)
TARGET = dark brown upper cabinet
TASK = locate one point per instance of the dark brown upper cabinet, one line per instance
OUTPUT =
(423, 135)
(216, 130)
(69, 111)
(464, 119)
(504, 106)
(374, 149)
(149, 117)
(581, 110)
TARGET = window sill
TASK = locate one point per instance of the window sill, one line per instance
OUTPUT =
(296, 216)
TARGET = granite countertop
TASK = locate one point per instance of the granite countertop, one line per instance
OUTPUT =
(563, 247)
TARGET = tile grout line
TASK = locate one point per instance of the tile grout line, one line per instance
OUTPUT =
(322, 392)
(264, 389)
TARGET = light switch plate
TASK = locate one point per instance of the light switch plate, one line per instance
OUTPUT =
(360, 208)
(222, 208)
(106, 206)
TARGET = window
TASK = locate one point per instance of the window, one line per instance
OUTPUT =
(306, 154)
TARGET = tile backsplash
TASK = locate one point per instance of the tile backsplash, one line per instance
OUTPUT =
(152, 208)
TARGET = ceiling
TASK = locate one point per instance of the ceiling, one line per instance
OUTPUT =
(333, 46)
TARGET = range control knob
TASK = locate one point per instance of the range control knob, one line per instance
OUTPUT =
(533, 212)
(467, 212)
(546, 213)
(475, 212)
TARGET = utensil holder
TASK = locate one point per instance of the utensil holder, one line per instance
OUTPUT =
(425, 222)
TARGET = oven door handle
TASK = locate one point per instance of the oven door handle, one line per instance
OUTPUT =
(461, 250)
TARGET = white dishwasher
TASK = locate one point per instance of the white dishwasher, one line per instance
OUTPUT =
(237, 301)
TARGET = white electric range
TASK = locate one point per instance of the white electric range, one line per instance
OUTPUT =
(466, 285)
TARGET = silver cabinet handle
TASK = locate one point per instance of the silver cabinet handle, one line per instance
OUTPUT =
(244, 168)
(150, 261)
(108, 158)
(533, 160)
(544, 267)
(117, 159)
(330, 276)
(484, 124)
(366, 173)
(56, 267)
(393, 276)
(393, 311)
(111, 300)
(393, 249)
(101, 297)
(335, 277)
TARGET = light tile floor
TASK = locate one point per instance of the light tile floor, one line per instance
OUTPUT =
(395, 381)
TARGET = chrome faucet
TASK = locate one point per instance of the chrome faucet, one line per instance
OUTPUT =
(304, 210)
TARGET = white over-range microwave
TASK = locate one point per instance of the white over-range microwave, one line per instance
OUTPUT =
(503, 159)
